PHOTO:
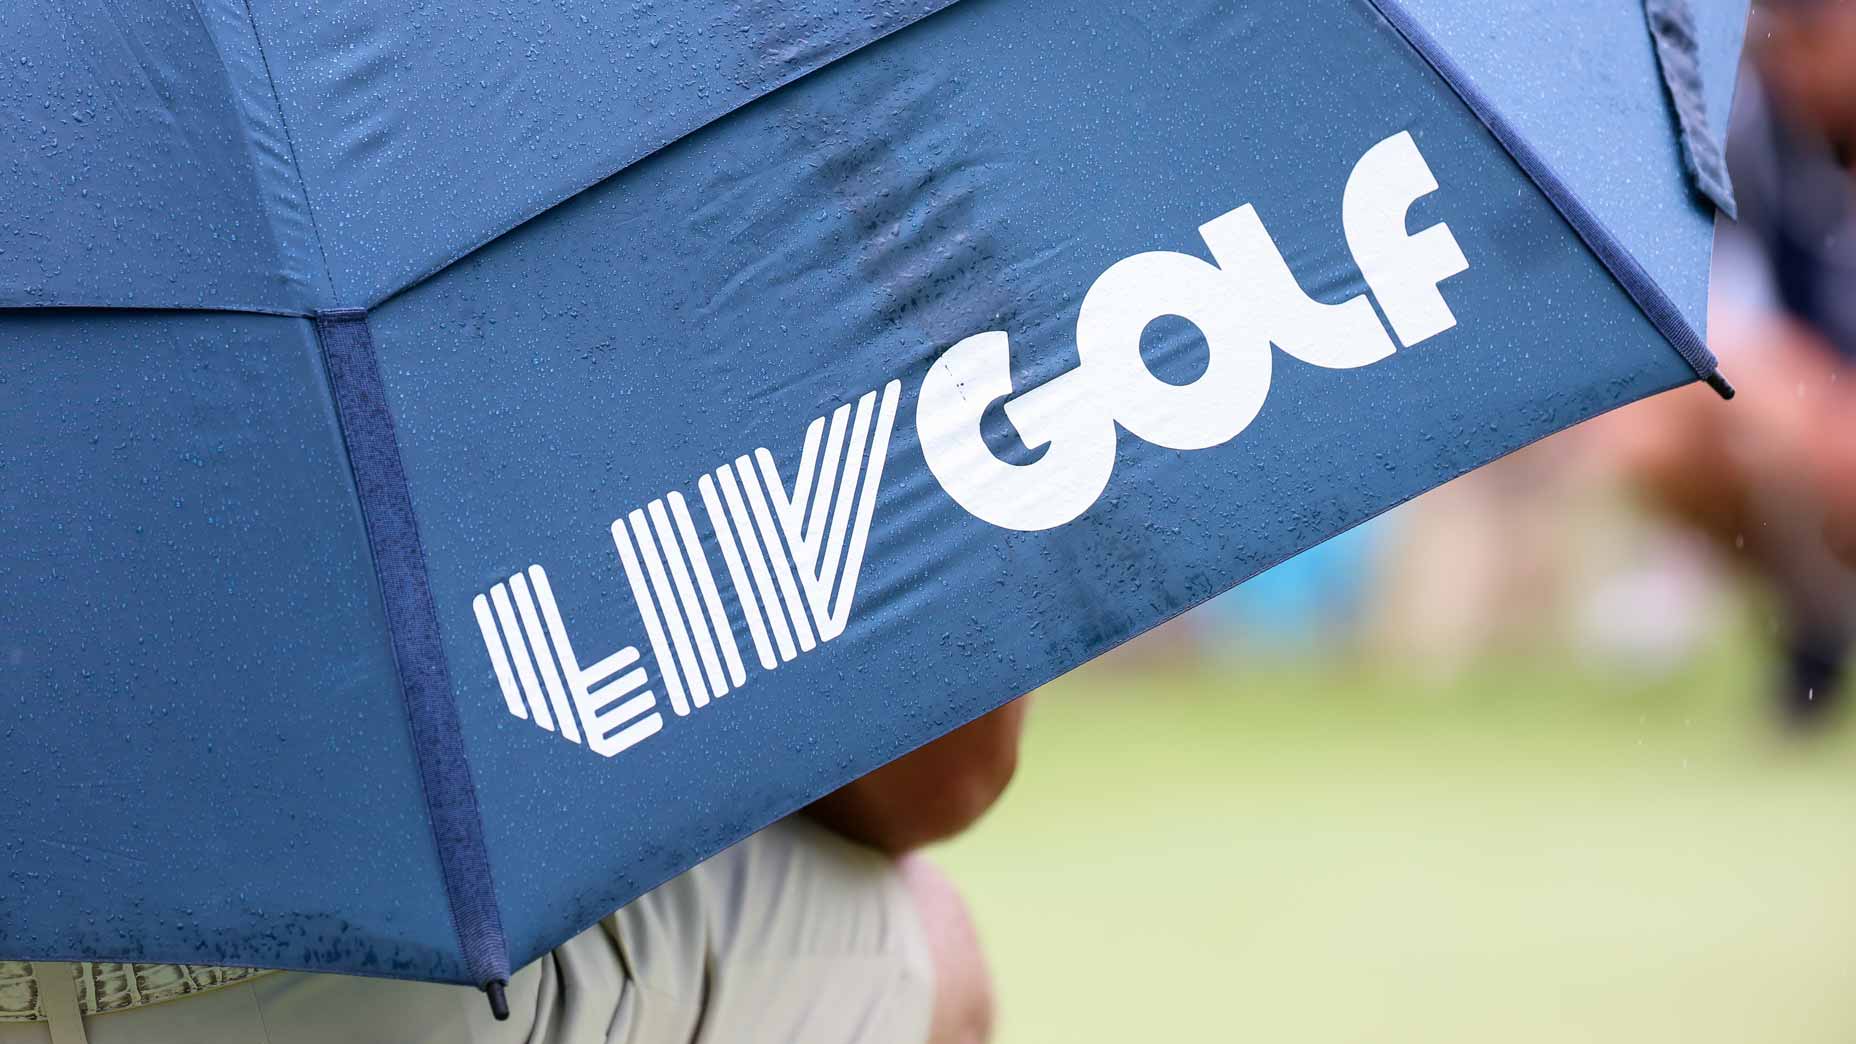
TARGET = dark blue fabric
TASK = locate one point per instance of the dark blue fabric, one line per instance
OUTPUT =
(424, 129)
(1655, 303)
(1678, 52)
(844, 232)
(197, 692)
(418, 651)
(134, 174)
(245, 746)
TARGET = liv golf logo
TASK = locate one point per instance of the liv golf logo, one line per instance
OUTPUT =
(791, 551)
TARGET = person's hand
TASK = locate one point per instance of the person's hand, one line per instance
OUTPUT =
(931, 794)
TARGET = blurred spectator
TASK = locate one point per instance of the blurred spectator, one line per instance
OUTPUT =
(1772, 478)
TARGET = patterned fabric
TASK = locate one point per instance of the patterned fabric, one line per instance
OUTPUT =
(795, 934)
(104, 987)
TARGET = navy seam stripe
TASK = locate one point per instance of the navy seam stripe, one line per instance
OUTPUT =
(1649, 297)
(418, 652)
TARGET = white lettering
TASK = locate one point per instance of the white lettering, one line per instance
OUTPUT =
(1242, 305)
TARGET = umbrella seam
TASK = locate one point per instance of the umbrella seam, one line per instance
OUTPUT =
(370, 437)
(1637, 283)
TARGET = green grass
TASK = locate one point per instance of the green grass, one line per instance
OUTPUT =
(1534, 852)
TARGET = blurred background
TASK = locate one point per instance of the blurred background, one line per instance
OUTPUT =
(1559, 751)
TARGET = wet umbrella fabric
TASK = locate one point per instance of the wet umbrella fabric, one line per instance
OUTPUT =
(465, 464)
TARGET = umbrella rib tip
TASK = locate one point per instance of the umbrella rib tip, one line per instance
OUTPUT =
(1718, 382)
(499, 999)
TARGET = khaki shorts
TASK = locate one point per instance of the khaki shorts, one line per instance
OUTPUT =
(792, 935)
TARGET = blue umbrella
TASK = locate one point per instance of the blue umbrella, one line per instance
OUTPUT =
(466, 463)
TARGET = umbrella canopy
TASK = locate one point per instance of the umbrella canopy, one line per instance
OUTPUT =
(466, 463)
